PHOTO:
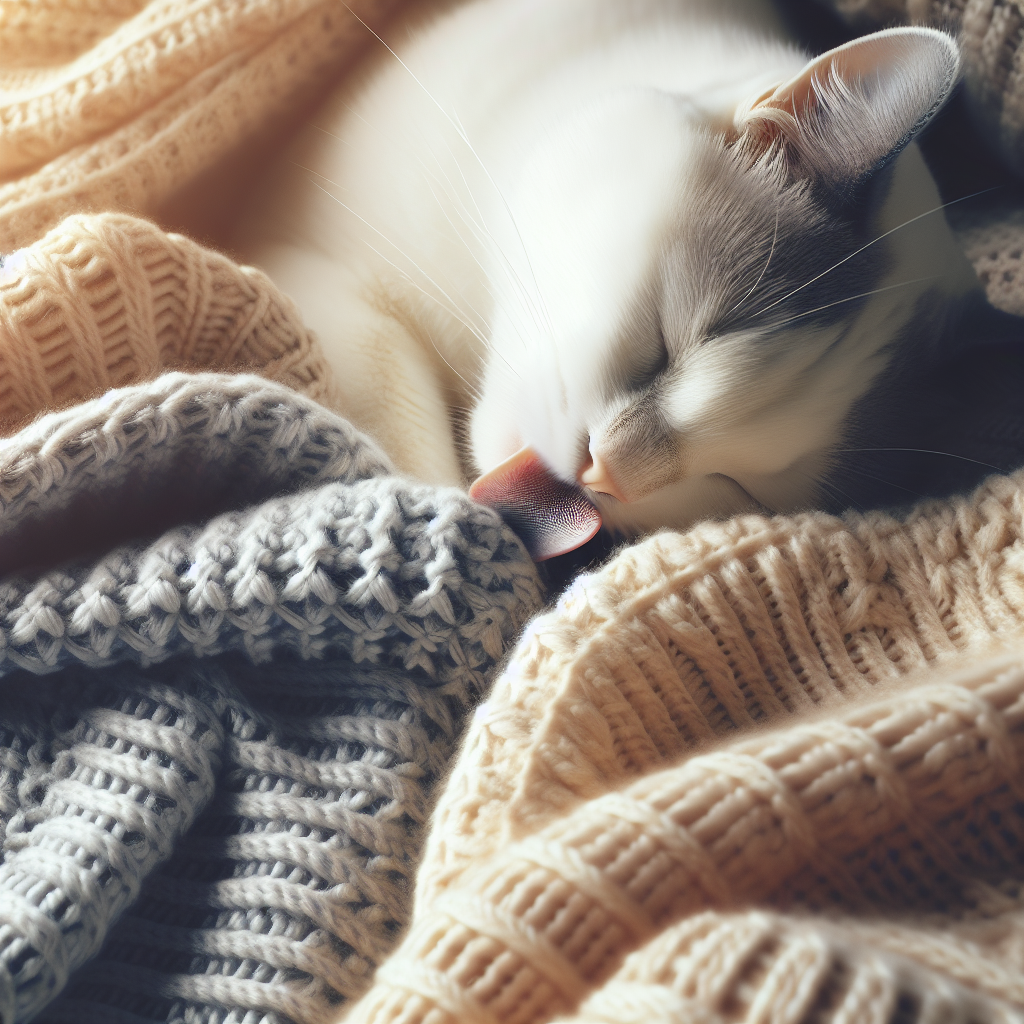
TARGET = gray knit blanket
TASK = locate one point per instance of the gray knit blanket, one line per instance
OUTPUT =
(218, 742)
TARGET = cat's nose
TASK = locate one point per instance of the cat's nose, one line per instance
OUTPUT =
(595, 475)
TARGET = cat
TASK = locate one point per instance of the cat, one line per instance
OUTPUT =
(628, 261)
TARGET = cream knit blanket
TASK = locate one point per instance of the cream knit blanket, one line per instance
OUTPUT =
(768, 770)
(107, 300)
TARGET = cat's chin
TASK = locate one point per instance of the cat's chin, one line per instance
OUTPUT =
(677, 506)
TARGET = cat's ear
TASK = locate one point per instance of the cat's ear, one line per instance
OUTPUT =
(852, 109)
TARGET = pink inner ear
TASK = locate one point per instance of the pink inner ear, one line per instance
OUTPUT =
(551, 516)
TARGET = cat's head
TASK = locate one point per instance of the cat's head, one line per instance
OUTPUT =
(686, 328)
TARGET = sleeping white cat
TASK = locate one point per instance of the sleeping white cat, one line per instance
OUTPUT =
(650, 248)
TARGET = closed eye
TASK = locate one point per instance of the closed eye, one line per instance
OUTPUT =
(656, 364)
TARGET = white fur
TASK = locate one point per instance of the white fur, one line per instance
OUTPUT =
(476, 228)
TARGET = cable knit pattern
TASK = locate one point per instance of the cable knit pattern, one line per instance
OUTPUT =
(861, 861)
(686, 638)
(232, 749)
(836, 970)
(107, 300)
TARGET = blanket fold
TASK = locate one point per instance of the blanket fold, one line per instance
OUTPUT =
(767, 769)
(166, 90)
(216, 790)
(107, 300)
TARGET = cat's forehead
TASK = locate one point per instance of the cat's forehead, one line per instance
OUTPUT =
(639, 200)
(740, 235)
(650, 239)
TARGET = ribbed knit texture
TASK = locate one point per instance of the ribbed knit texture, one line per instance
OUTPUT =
(822, 816)
(223, 770)
(151, 95)
(107, 300)
(768, 770)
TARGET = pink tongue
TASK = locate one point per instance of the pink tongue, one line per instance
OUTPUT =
(551, 516)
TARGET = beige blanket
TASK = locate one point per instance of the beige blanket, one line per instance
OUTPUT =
(768, 770)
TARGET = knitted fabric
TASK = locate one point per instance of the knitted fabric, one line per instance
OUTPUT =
(151, 95)
(102, 301)
(994, 243)
(217, 748)
(182, 448)
(768, 770)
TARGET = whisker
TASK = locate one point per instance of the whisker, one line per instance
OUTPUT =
(309, 170)
(508, 209)
(507, 266)
(828, 485)
(471, 224)
(477, 331)
(430, 175)
(462, 135)
(868, 245)
(426, 170)
(339, 138)
(478, 225)
(460, 238)
(479, 228)
(881, 480)
(771, 252)
(452, 312)
(850, 298)
(484, 341)
(924, 451)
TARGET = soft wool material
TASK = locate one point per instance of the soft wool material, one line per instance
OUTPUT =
(107, 300)
(765, 770)
(217, 748)
(138, 99)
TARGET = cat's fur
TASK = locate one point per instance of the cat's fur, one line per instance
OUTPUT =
(601, 227)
